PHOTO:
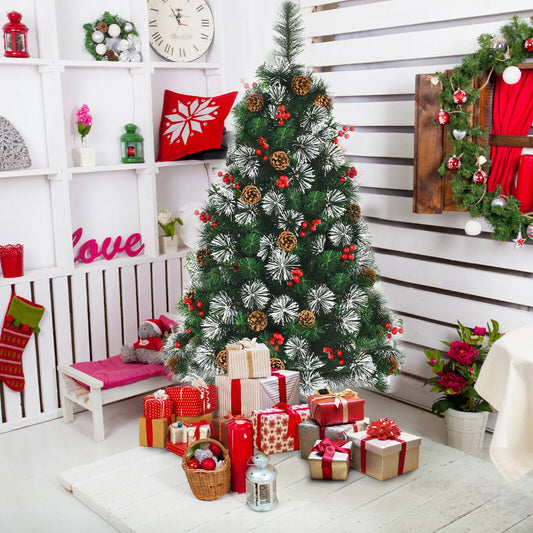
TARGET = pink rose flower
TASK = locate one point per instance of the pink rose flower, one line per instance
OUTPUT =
(83, 115)
(480, 332)
(462, 352)
(452, 381)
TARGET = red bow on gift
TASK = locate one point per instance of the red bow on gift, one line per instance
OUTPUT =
(294, 420)
(330, 446)
(384, 429)
(230, 416)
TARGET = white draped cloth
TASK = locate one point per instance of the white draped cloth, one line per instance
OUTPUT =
(506, 382)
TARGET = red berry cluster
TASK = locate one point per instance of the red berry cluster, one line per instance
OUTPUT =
(350, 172)
(296, 277)
(342, 133)
(332, 354)
(276, 340)
(282, 182)
(281, 115)
(392, 330)
(194, 305)
(206, 217)
(264, 146)
(235, 267)
(179, 345)
(311, 226)
(228, 179)
(347, 253)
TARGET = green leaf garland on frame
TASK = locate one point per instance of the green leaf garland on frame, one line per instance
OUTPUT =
(494, 55)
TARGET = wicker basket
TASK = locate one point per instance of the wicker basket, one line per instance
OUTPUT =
(208, 484)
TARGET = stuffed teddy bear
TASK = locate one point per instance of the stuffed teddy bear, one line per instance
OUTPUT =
(148, 348)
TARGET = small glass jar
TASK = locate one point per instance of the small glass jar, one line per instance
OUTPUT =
(261, 484)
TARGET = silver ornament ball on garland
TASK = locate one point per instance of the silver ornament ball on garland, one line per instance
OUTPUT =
(499, 201)
(498, 43)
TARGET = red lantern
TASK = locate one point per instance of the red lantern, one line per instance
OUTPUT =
(15, 36)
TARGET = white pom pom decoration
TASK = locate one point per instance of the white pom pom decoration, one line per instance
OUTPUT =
(101, 49)
(472, 228)
(114, 30)
(511, 75)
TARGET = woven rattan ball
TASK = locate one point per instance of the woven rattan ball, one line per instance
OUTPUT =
(287, 241)
(306, 319)
(254, 102)
(353, 211)
(323, 100)
(251, 195)
(277, 363)
(203, 255)
(369, 274)
(279, 160)
(222, 360)
(301, 85)
(257, 320)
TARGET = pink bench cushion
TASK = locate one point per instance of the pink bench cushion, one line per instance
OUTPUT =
(114, 372)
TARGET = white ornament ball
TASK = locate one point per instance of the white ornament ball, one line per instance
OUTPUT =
(97, 36)
(128, 27)
(530, 231)
(101, 49)
(113, 30)
(472, 228)
(511, 75)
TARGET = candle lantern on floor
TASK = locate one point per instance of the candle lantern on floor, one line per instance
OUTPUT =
(132, 145)
(261, 484)
(15, 33)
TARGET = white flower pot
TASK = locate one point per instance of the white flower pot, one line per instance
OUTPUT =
(168, 245)
(466, 431)
(86, 156)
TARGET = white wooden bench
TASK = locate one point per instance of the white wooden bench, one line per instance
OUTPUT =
(93, 396)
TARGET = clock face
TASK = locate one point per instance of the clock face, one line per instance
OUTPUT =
(180, 30)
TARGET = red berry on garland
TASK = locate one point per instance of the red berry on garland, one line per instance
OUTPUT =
(265, 158)
(387, 325)
(208, 464)
(265, 146)
(304, 225)
(194, 463)
(201, 313)
(460, 97)
(453, 163)
(352, 247)
(178, 345)
(215, 449)
(302, 233)
(346, 250)
(400, 330)
(258, 152)
(443, 117)
(480, 177)
(276, 347)
(528, 45)
(199, 304)
(272, 342)
(331, 356)
(191, 307)
(341, 362)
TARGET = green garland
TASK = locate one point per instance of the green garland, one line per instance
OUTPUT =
(495, 55)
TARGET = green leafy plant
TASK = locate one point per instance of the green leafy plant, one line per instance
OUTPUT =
(167, 221)
(457, 374)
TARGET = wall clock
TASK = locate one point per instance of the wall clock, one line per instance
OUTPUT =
(180, 30)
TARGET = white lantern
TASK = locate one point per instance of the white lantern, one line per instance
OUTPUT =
(261, 484)
(511, 75)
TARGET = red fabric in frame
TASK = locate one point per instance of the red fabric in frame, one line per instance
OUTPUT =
(512, 114)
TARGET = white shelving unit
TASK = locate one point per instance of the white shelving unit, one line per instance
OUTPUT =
(55, 197)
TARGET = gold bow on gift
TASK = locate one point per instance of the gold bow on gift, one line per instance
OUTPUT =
(339, 396)
(242, 344)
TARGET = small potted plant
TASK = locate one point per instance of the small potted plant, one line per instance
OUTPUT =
(465, 412)
(84, 121)
(167, 222)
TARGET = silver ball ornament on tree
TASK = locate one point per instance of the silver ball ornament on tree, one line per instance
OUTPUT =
(498, 43)
(128, 27)
(499, 201)
(472, 228)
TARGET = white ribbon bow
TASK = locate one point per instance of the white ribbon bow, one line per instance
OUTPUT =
(161, 394)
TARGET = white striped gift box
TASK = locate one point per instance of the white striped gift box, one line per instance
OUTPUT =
(248, 362)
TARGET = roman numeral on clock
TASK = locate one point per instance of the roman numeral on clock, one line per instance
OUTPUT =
(204, 36)
(182, 52)
(152, 23)
(157, 37)
(199, 8)
(169, 50)
(205, 23)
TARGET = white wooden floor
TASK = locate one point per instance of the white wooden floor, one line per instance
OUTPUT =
(449, 488)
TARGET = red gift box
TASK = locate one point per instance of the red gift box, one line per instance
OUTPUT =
(339, 408)
(193, 400)
(157, 406)
(178, 449)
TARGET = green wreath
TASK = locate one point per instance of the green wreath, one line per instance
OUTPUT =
(496, 53)
(112, 38)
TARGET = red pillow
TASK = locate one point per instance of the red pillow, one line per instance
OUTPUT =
(191, 124)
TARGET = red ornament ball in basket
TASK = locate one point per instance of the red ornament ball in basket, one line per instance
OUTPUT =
(528, 45)
(460, 97)
(453, 163)
(443, 117)
(480, 177)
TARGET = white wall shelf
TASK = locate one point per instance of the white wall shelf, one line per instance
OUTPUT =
(29, 172)
(122, 167)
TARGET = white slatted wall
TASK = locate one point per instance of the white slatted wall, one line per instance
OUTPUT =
(432, 273)
(89, 316)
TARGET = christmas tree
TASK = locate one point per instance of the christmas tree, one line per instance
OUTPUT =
(285, 255)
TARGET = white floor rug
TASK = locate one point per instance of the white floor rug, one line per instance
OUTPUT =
(144, 490)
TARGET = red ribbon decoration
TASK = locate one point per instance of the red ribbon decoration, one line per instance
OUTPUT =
(236, 406)
(383, 429)
(149, 432)
(198, 425)
(230, 416)
(282, 385)
(294, 420)
(326, 448)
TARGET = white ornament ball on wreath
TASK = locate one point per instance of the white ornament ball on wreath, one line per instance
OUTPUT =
(472, 228)
(101, 49)
(128, 27)
(98, 36)
(113, 30)
(511, 75)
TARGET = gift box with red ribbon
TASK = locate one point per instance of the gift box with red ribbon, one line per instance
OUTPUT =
(248, 359)
(337, 408)
(157, 405)
(330, 459)
(153, 432)
(310, 431)
(276, 429)
(220, 427)
(178, 449)
(180, 432)
(207, 417)
(242, 396)
(384, 451)
(195, 399)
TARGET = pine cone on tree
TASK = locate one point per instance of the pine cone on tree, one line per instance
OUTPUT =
(102, 26)
(287, 241)
(323, 100)
(257, 320)
(254, 102)
(393, 365)
(353, 211)
(203, 255)
(370, 275)
(251, 195)
(301, 85)
(279, 160)
(277, 363)
(189, 295)
(306, 319)
(110, 54)
(222, 360)
(172, 362)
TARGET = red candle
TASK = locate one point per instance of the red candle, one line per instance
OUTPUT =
(240, 437)
(524, 183)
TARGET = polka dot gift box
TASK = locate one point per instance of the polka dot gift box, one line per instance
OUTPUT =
(193, 400)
